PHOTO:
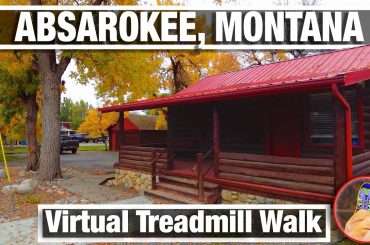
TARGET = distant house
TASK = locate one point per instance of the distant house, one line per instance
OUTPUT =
(67, 125)
(139, 130)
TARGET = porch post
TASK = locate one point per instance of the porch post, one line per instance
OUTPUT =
(360, 116)
(121, 132)
(170, 138)
(343, 138)
(216, 138)
(339, 150)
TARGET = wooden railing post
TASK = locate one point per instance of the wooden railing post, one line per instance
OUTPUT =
(121, 127)
(216, 139)
(200, 177)
(154, 170)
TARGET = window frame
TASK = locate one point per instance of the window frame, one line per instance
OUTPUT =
(359, 107)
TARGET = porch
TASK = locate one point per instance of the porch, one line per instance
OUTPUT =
(295, 151)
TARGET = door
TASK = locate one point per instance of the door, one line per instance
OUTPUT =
(286, 124)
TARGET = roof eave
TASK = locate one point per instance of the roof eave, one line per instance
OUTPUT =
(227, 95)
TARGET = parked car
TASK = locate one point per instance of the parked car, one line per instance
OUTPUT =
(67, 143)
(82, 138)
(67, 132)
(102, 139)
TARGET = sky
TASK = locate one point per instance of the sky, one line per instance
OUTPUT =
(76, 91)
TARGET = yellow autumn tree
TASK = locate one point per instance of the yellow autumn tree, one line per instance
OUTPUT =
(96, 123)
(119, 75)
(161, 122)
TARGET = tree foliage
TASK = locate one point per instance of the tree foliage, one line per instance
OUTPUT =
(17, 82)
(187, 67)
(74, 112)
(96, 124)
(119, 75)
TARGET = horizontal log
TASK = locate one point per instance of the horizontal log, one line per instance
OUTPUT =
(136, 153)
(316, 155)
(136, 168)
(134, 162)
(163, 155)
(136, 157)
(142, 153)
(143, 148)
(274, 192)
(315, 179)
(279, 167)
(362, 172)
(147, 160)
(361, 157)
(277, 159)
(360, 166)
(162, 161)
(280, 183)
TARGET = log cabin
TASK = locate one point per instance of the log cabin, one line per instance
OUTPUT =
(292, 130)
(139, 130)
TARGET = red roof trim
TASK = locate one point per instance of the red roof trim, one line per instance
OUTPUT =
(226, 95)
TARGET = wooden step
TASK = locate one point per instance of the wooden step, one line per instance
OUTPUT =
(187, 181)
(172, 196)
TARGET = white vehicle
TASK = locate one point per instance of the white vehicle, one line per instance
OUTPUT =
(67, 132)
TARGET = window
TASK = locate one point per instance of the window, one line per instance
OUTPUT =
(322, 117)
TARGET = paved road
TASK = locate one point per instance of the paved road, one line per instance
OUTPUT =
(83, 159)
(90, 159)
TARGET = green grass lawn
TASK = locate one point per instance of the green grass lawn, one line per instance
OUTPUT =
(23, 149)
(10, 157)
(97, 147)
(12, 151)
(15, 149)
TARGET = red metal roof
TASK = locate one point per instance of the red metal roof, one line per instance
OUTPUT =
(349, 66)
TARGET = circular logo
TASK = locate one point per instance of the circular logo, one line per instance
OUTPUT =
(352, 209)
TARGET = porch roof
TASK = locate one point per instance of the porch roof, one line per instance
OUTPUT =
(349, 66)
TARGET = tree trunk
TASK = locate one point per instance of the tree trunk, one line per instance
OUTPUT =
(50, 147)
(178, 84)
(31, 125)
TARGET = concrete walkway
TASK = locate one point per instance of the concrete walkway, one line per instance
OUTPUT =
(25, 231)
(87, 186)
(19, 232)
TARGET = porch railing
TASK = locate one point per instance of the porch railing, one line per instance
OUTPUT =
(200, 176)
(154, 170)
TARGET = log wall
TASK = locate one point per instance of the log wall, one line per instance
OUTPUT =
(361, 164)
(140, 158)
(302, 174)
(366, 114)
(153, 138)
